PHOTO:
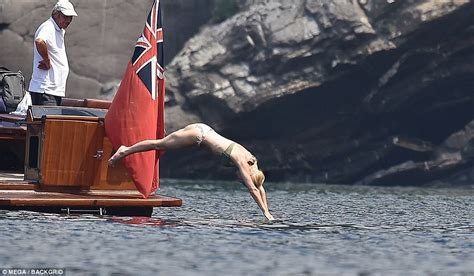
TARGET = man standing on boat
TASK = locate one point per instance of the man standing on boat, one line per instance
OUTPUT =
(50, 64)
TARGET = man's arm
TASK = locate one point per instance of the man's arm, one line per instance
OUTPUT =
(42, 48)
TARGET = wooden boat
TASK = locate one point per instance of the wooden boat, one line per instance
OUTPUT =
(65, 164)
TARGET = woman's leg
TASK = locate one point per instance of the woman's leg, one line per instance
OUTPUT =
(179, 139)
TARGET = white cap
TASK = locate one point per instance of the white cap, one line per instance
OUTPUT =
(65, 7)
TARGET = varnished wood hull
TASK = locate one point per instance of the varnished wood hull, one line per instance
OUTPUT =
(66, 171)
(17, 195)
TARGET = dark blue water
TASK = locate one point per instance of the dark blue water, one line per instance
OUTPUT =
(322, 230)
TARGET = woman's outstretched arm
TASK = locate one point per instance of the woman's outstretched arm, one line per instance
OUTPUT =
(124, 151)
(255, 193)
(263, 195)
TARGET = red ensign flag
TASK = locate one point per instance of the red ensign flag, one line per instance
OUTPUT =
(137, 111)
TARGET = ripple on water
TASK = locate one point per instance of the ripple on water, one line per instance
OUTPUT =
(320, 230)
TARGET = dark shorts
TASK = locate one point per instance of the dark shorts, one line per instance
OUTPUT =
(44, 99)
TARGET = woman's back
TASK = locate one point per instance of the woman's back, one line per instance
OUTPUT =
(220, 145)
(216, 142)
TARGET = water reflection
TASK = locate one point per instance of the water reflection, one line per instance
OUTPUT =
(335, 230)
(144, 221)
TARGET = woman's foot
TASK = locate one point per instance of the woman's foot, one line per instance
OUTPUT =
(119, 154)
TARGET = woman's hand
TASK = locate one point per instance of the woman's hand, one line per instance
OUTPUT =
(269, 217)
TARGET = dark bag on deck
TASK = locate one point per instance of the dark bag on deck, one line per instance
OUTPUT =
(12, 89)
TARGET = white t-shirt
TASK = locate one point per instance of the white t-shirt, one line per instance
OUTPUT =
(52, 81)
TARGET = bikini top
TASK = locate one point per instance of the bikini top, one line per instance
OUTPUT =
(225, 156)
(227, 161)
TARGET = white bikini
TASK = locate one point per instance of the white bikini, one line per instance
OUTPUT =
(204, 130)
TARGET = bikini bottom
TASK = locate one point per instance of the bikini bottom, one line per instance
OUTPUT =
(204, 129)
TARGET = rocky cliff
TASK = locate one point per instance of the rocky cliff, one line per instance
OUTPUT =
(333, 91)
(100, 40)
(365, 92)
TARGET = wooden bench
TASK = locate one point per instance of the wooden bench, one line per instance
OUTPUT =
(12, 128)
(91, 103)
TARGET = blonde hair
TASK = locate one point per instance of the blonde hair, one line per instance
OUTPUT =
(258, 178)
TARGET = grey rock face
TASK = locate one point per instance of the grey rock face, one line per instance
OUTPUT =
(99, 41)
(334, 91)
(272, 50)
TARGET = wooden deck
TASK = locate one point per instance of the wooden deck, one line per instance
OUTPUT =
(83, 184)
(16, 194)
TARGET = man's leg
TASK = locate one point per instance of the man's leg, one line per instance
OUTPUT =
(44, 99)
(58, 100)
(36, 98)
(51, 100)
